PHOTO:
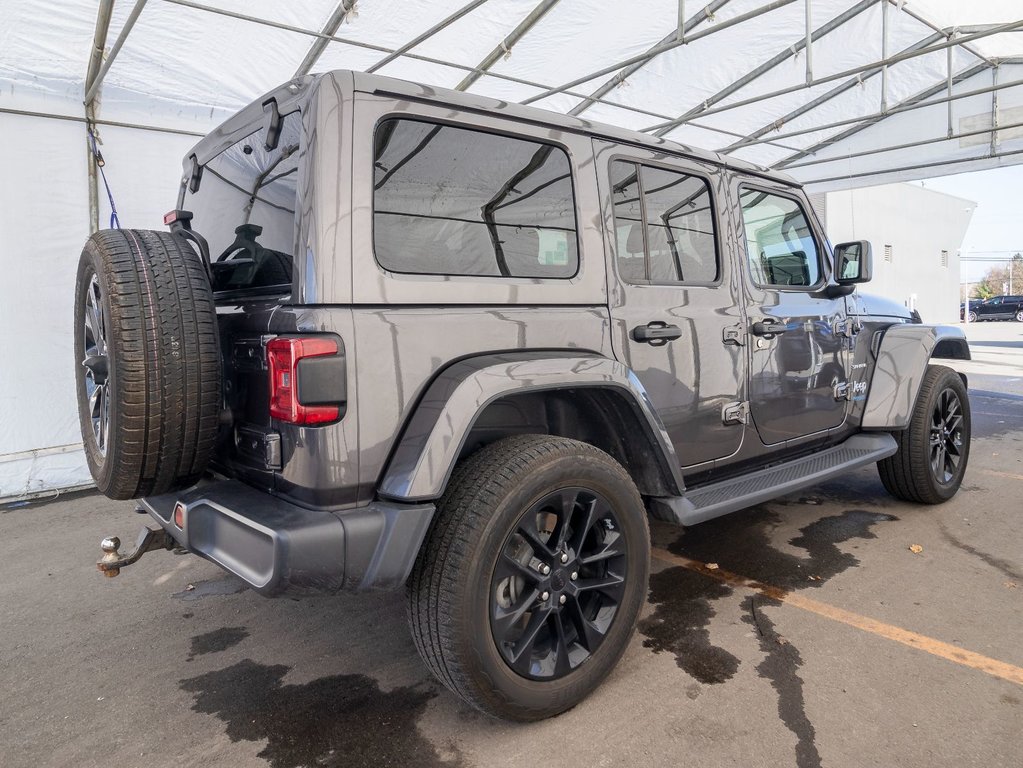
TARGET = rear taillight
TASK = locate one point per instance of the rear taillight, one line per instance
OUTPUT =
(306, 379)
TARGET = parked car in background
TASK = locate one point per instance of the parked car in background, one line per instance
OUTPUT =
(995, 308)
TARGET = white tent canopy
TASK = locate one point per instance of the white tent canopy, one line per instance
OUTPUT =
(838, 93)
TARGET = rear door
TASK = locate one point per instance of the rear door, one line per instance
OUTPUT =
(798, 348)
(675, 312)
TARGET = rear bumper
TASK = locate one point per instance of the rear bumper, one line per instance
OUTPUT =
(280, 548)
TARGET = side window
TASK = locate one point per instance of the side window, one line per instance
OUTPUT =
(453, 201)
(245, 208)
(664, 225)
(779, 244)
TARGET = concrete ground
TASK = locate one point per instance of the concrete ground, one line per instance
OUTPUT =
(871, 655)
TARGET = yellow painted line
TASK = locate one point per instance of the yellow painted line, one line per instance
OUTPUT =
(943, 650)
(996, 473)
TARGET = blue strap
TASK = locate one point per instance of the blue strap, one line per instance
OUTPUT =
(115, 223)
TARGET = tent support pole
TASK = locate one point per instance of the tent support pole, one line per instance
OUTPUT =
(330, 28)
(918, 167)
(904, 106)
(994, 111)
(948, 73)
(99, 44)
(686, 27)
(504, 47)
(768, 65)
(884, 55)
(442, 24)
(97, 81)
(914, 100)
(743, 17)
(808, 43)
(896, 147)
(987, 31)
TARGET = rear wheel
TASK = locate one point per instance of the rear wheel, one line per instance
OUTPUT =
(933, 451)
(530, 582)
(1019, 316)
(973, 316)
(147, 362)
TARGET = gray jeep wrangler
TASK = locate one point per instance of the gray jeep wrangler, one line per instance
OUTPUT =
(398, 336)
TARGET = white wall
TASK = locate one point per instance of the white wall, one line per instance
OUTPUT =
(44, 222)
(918, 224)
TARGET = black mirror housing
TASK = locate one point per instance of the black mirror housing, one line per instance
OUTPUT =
(854, 262)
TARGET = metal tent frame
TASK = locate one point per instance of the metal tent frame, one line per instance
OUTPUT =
(686, 29)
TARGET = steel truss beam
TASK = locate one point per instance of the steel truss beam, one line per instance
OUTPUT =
(879, 115)
(907, 145)
(504, 47)
(330, 28)
(684, 28)
(918, 167)
(917, 98)
(465, 9)
(675, 43)
(986, 32)
(788, 53)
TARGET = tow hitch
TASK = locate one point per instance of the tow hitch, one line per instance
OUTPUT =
(149, 539)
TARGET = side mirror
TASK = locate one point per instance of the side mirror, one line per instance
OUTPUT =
(853, 263)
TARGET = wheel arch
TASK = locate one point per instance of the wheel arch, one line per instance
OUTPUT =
(577, 395)
(902, 353)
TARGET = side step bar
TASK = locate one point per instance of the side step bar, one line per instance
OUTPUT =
(710, 501)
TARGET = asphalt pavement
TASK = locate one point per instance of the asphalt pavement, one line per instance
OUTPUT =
(833, 627)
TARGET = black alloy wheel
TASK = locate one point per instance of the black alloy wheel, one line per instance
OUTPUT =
(946, 439)
(558, 583)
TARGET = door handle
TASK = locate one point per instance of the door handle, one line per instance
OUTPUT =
(768, 328)
(656, 333)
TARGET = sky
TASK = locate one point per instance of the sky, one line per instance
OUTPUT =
(996, 229)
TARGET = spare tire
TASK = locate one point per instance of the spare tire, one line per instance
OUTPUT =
(147, 362)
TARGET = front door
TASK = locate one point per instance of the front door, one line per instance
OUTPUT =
(675, 310)
(798, 338)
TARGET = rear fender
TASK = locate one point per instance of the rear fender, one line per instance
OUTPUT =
(901, 361)
(433, 438)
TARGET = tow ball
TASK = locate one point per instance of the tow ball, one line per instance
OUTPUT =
(149, 540)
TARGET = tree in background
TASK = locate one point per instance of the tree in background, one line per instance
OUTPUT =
(1001, 280)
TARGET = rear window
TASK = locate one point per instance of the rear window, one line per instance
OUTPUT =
(245, 208)
(454, 201)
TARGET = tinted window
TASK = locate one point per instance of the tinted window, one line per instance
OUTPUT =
(664, 225)
(779, 244)
(245, 208)
(452, 201)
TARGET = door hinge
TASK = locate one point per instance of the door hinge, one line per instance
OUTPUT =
(735, 413)
(733, 335)
(843, 391)
(847, 328)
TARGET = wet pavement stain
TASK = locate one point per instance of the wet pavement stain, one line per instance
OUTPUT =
(741, 543)
(679, 625)
(217, 640)
(1007, 568)
(338, 720)
(781, 660)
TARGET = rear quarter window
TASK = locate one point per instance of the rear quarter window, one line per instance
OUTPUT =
(454, 201)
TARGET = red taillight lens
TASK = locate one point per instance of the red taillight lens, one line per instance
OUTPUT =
(179, 515)
(283, 357)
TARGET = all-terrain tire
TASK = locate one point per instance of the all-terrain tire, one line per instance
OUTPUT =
(147, 362)
(910, 473)
(453, 581)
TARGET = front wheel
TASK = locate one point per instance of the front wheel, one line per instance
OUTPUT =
(929, 465)
(531, 579)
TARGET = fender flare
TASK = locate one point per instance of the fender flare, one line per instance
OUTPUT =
(901, 360)
(430, 444)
